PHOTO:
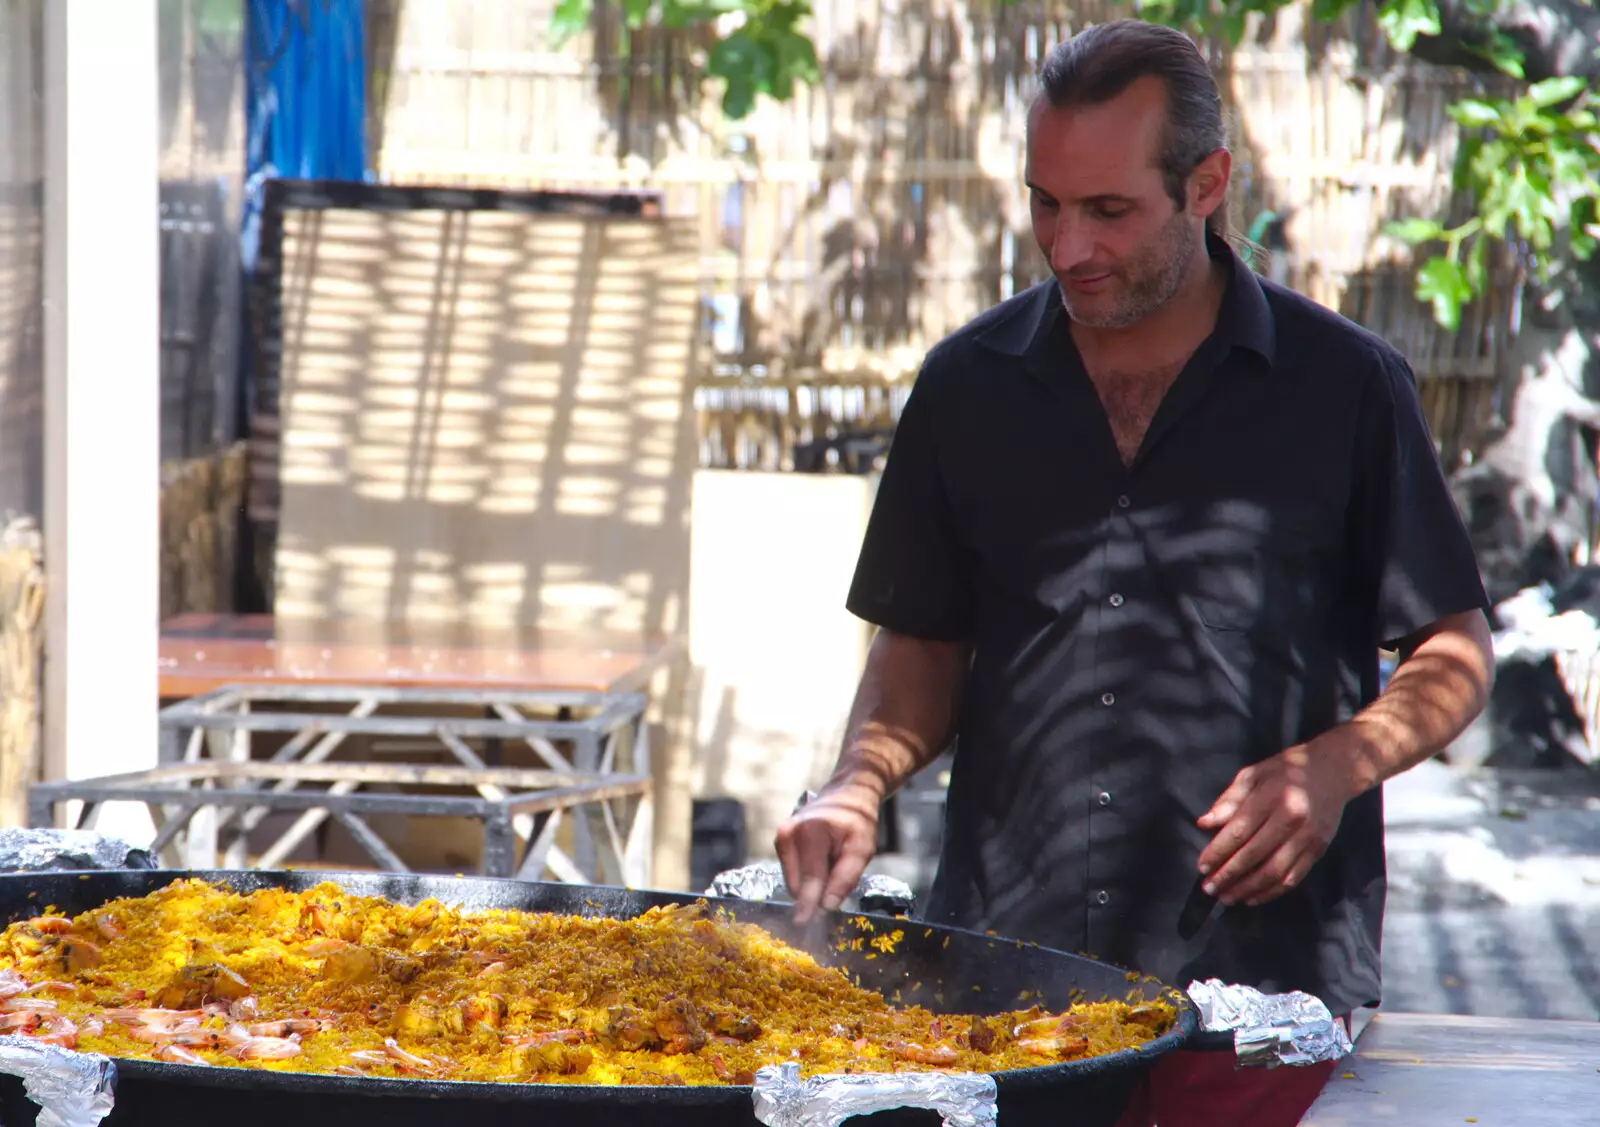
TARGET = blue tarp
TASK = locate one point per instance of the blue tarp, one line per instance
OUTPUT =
(305, 97)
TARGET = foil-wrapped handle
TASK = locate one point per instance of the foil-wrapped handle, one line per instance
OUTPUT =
(1270, 1029)
(763, 880)
(72, 1089)
(49, 850)
(782, 1099)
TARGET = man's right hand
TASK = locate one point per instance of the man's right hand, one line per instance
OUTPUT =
(825, 847)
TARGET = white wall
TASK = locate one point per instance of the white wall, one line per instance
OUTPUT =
(775, 654)
(102, 398)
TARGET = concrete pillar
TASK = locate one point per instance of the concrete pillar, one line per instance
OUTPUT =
(102, 402)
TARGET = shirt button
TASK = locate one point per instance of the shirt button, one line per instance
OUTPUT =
(1115, 600)
(1103, 798)
(1108, 699)
(1124, 501)
(1102, 897)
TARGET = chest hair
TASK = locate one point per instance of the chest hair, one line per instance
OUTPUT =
(1130, 399)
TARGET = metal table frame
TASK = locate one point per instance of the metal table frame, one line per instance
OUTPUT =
(176, 794)
(591, 736)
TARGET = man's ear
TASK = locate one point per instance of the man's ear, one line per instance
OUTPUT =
(1208, 183)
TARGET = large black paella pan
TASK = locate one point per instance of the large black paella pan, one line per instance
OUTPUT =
(986, 974)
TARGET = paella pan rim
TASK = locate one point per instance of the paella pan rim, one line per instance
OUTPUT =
(683, 1095)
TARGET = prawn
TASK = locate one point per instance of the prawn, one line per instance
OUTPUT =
(58, 1030)
(938, 1055)
(1063, 1044)
(177, 1054)
(300, 1025)
(551, 1037)
(267, 1048)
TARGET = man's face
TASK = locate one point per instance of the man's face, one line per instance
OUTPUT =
(1114, 238)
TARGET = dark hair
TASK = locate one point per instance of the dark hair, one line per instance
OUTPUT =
(1103, 60)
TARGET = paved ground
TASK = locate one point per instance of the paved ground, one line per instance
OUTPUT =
(1494, 903)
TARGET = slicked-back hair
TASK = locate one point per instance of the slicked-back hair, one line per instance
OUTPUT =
(1101, 61)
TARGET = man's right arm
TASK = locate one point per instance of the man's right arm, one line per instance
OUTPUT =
(904, 715)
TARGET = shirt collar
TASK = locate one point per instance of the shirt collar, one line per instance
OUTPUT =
(1245, 319)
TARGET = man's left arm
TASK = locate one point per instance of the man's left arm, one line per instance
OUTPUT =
(1280, 815)
(1411, 551)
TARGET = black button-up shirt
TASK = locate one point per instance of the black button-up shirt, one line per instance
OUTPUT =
(1141, 633)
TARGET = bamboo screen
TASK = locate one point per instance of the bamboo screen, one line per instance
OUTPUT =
(842, 233)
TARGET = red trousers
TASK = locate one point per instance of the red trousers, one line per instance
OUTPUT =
(1195, 1089)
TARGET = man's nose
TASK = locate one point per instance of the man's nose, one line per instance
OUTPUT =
(1071, 245)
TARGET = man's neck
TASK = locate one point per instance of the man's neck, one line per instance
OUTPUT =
(1170, 333)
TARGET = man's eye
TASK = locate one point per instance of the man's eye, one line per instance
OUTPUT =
(1044, 201)
(1111, 211)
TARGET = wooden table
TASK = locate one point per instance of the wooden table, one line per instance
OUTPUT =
(1433, 1070)
(202, 652)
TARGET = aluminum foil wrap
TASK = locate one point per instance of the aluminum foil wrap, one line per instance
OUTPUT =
(751, 882)
(1270, 1029)
(782, 1099)
(72, 1089)
(879, 893)
(46, 851)
(764, 881)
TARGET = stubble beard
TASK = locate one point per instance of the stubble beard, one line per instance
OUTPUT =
(1151, 280)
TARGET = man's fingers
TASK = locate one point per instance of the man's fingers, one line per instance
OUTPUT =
(1228, 802)
(1244, 859)
(788, 857)
(1276, 875)
(848, 866)
(1243, 825)
(813, 841)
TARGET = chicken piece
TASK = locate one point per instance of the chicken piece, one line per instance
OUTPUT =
(424, 1017)
(199, 983)
(731, 1076)
(735, 1028)
(678, 1025)
(627, 1029)
(350, 963)
(552, 1057)
(401, 968)
(484, 1011)
(987, 1036)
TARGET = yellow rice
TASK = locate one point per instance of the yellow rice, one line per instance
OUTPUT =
(678, 995)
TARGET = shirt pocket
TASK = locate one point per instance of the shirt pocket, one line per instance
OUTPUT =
(1272, 586)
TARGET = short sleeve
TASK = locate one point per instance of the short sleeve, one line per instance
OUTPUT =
(913, 575)
(1415, 551)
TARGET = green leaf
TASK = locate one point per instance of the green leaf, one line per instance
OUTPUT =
(636, 12)
(1443, 283)
(1414, 231)
(1527, 205)
(1403, 20)
(1555, 90)
(737, 60)
(1584, 217)
(1490, 159)
(570, 18)
(1474, 114)
(1477, 271)
(1329, 10)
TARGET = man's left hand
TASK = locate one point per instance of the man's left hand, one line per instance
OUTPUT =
(1274, 822)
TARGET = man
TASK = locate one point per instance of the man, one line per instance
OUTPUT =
(1141, 535)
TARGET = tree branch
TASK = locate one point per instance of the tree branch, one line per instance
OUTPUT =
(1557, 37)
